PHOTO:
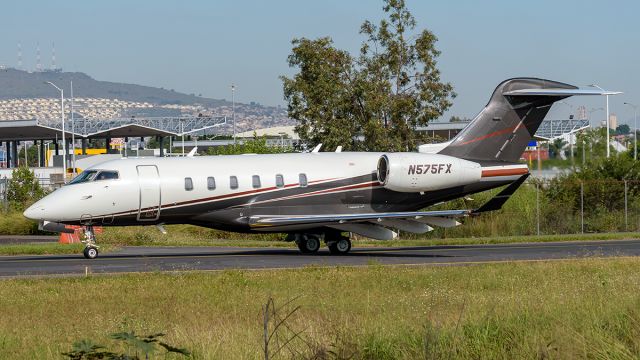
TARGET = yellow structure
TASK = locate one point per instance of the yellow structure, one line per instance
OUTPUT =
(77, 151)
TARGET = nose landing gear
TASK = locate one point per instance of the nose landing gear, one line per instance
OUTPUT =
(90, 248)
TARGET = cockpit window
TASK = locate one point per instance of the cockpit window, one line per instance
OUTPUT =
(94, 175)
(85, 176)
(107, 175)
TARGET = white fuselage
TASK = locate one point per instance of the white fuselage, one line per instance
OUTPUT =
(226, 191)
(99, 198)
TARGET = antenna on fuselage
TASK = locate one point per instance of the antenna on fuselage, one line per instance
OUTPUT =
(339, 148)
(317, 148)
(192, 152)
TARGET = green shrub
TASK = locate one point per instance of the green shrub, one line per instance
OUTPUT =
(23, 188)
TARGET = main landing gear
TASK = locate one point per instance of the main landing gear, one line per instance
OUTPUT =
(310, 243)
(90, 247)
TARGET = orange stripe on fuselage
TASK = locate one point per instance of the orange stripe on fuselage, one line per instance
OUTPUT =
(504, 172)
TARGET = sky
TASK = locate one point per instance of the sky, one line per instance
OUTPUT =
(203, 47)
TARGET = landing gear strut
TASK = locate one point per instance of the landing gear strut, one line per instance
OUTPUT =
(90, 247)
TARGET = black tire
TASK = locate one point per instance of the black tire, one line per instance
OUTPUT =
(90, 252)
(309, 244)
(340, 247)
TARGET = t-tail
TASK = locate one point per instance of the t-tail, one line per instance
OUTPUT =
(504, 128)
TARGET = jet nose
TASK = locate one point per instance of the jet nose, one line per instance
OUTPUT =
(34, 212)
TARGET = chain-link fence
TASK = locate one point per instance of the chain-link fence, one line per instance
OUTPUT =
(544, 207)
(4, 186)
(539, 207)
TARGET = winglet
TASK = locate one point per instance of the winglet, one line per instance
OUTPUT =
(497, 201)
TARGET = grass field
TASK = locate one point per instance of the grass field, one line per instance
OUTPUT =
(563, 309)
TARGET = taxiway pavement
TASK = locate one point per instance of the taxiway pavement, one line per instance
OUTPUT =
(147, 259)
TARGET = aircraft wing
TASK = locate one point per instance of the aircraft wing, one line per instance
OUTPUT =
(263, 221)
(372, 225)
(376, 225)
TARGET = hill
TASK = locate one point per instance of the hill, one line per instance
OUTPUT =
(22, 84)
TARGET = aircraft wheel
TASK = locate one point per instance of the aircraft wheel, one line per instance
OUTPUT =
(309, 244)
(90, 252)
(340, 247)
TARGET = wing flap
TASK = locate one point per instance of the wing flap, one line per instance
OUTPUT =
(274, 220)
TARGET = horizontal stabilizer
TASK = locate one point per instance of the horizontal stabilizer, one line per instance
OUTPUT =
(559, 92)
(497, 201)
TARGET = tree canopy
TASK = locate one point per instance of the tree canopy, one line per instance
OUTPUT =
(373, 100)
(23, 188)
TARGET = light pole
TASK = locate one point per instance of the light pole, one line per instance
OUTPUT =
(282, 134)
(607, 110)
(592, 111)
(570, 131)
(182, 132)
(64, 143)
(635, 129)
(73, 135)
(233, 111)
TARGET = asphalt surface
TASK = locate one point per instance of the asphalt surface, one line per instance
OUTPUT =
(145, 259)
(27, 239)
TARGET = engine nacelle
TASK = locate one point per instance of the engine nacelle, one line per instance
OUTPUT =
(415, 172)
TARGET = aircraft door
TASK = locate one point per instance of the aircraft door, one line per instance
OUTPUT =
(149, 185)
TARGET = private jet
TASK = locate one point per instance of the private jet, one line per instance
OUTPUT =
(317, 196)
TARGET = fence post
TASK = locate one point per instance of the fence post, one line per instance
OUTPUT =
(582, 206)
(538, 208)
(626, 208)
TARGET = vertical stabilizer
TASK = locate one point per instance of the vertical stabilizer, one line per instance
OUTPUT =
(502, 130)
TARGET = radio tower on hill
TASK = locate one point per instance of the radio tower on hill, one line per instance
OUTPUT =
(38, 60)
(53, 56)
(20, 56)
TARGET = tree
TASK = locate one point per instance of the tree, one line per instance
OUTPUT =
(373, 101)
(257, 145)
(623, 129)
(23, 188)
(593, 143)
(457, 119)
(32, 156)
(556, 146)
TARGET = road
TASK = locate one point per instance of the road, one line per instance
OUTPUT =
(144, 259)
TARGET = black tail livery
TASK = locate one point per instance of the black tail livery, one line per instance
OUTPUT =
(502, 130)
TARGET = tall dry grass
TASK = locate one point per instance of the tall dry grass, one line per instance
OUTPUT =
(568, 309)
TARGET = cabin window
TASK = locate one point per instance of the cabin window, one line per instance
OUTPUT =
(211, 183)
(107, 175)
(233, 182)
(255, 181)
(279, 181)
(188, 184)
(302, 180)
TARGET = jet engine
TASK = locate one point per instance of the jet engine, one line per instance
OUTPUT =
(416, 172)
